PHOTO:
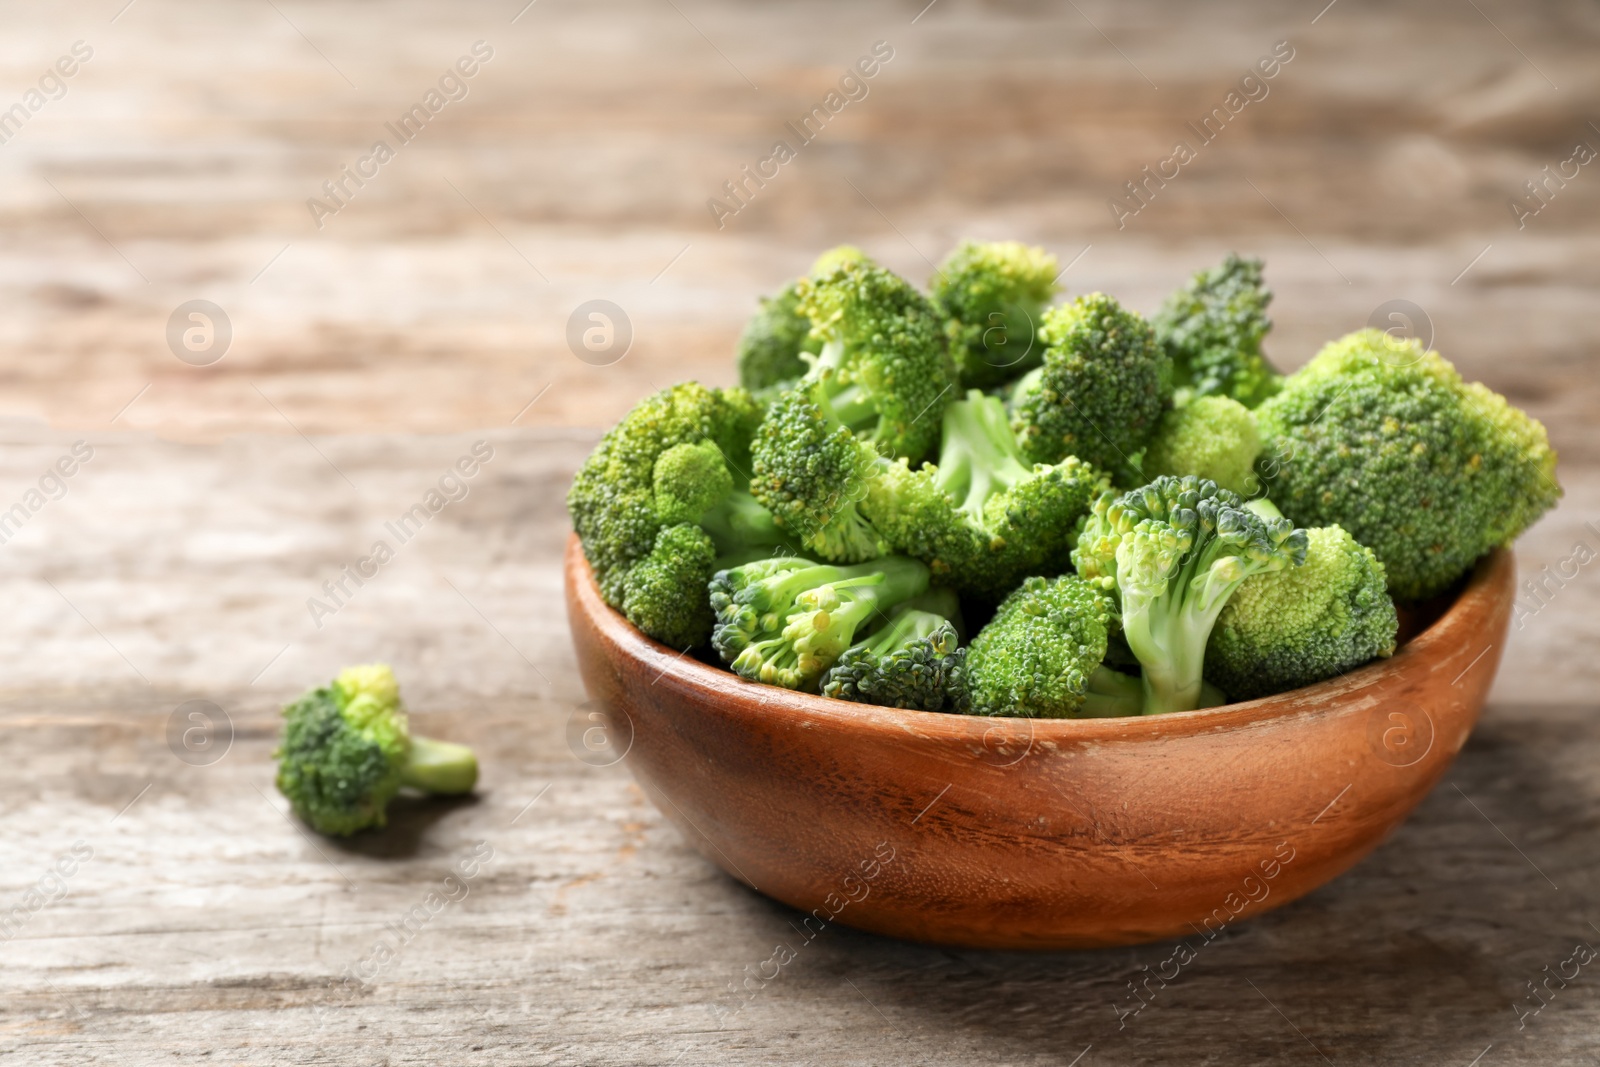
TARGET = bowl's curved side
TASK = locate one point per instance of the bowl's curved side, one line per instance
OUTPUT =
(1031, 833)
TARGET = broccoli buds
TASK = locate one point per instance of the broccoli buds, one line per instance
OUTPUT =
(912, 661)
(347, 750)
(1172, 553)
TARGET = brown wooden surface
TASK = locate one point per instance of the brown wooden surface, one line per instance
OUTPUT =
(207, 928)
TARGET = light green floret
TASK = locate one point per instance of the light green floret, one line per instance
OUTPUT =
(786, 620)
(772, 348)
(1040, 656)
(347, 750)
(1213, 328)
(1211, 437)
(1172, 553)
(912, 661)
(883, 362)
(984, 517)
(1386, 440)
(993, 295)
(1101, 390)
(1293, 627)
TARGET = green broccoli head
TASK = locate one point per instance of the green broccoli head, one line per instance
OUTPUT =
(992, 296)
(1036, 656)
(1101, 390)
(883, 361)
(664, 594)
(1172, 553)
(689, 480)
(1212, 329)
(770, 348)
(1292, 627)
(1385, 439)
(984, 518)
(347, 750)
(811, 471)
(786, 620)
(1211, 437)
(613, 499)
(915, 660)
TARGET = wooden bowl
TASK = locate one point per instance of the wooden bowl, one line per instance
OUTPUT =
(1017, 833)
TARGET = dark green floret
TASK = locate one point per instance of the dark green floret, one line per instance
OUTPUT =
(1212, 329)
(347, 750)
(1385, 439)
(992, 296)
(915, 660)
(883, 362)
(983, 518)
(1101, 390)
(786, 620)
(1040, 656)
(1293, 627)
(1172, 553)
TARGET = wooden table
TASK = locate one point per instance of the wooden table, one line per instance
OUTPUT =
(200, 924)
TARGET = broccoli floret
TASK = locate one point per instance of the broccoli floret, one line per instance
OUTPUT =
(1101, 390)
(1292, 627)
(689, 480)
(992, 296)
(770, 347)
(1386, 440)
(912, 661)
(1038, 654)
(347, 750)
(1212, 329)
(612, 499)
(664, 594)
(785, 620)
(883, 362)
(811, 472)
(1172, 553)
(1211, 437)
(983, 518)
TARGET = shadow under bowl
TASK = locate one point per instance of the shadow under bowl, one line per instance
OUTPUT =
(1036, 833)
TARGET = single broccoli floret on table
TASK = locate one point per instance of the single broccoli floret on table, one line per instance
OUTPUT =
(1385, 439)
(915, 660)
(983, 518)
(1297, 626)
(1212, 437)
(993, 296)
(883, 362)
(786, 620)
(347, 750)
(1101, 390)
(1172, 553)
(613, 500)
(1212, 329)
(1040, 656)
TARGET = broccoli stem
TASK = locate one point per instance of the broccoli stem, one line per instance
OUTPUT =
(738, 521)
(1111, 694)
(1168, 633)
(980, 456)
(439, 767)
(907, 626)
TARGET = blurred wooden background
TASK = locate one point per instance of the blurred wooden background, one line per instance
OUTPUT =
(433, 312)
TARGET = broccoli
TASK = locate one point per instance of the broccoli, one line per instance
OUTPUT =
(983, 518)
(347, 750)
(1040, 656)
(1386, 440)
(913, 661)
(1101, 390)
(992, 297)
(785, 620)
(1172, 553)
(1292, 627)
(1212, 329)
(612, 499)
(771, 347)
(1212, 437)
(883, 362)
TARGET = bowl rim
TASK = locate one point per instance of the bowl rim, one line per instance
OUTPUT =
(716, 684)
